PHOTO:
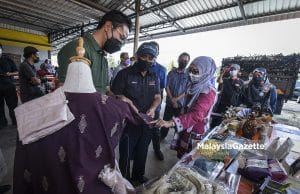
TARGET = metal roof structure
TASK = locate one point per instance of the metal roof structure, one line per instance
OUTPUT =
(62, 20)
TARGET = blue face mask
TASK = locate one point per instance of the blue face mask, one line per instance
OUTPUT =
(127, 62)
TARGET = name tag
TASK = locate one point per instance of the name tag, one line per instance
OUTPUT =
(133, 82)
(152, 83)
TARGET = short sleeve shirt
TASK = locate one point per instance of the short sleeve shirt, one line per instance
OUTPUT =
(28, 91)
(6, 65)
(139, 89)
(27, 71)
(161, 72)
(94, 53)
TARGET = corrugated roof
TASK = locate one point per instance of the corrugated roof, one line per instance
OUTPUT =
(63, 20)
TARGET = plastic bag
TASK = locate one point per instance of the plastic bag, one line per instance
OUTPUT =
(114, 179)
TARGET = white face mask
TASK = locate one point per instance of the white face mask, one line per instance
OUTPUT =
(233, 73)
(194, 78)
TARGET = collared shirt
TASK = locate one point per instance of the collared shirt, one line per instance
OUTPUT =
(138, 88)
(6, 65)
(161, 72)
(94, 53)
(178, 83)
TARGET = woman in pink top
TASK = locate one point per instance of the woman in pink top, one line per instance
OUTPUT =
(200, 99)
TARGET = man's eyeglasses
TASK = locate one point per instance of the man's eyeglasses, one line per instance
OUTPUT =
(123, 37)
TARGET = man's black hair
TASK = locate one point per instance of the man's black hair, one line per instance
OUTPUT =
(184, 54)
(117, 18)
(1, 46)
(28, 51)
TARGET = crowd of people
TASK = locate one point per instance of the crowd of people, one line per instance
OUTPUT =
(136, 87)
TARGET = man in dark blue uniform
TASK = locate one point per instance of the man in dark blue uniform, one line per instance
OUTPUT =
(8, 93)
(139, 86)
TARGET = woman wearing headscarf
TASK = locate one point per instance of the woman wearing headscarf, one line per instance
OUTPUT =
(200, 99)
(260, 90)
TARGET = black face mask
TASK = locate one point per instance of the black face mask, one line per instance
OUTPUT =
(143, 65)
(112, 45)
(182, 64)
(257, 81)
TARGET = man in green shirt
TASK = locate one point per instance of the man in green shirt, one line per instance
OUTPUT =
(110, 36)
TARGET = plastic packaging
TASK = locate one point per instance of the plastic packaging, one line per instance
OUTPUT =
(277, 171)
(284, 149)
(184, 179)
(257, 168)
(230, 181)
(271, 150)
(208, 168)
(114, 179)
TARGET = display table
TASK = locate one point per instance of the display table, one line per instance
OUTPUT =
(228, 178)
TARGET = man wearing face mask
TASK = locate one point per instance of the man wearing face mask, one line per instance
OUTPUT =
(177, 84)
(124, 62)
(109, 37)
(8, 93)
(29, 82)
(139, 86)
(231, 90)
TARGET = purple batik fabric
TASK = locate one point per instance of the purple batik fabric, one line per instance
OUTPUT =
(69, 161)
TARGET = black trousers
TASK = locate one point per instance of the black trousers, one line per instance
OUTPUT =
(217, 120)
(8, 95)
(168, 115)
(156, 135)
(134, 144)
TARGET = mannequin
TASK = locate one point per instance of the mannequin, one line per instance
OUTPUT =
(71, 159)
(79, 76)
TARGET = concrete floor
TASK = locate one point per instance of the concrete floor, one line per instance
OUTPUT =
(154, 168)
